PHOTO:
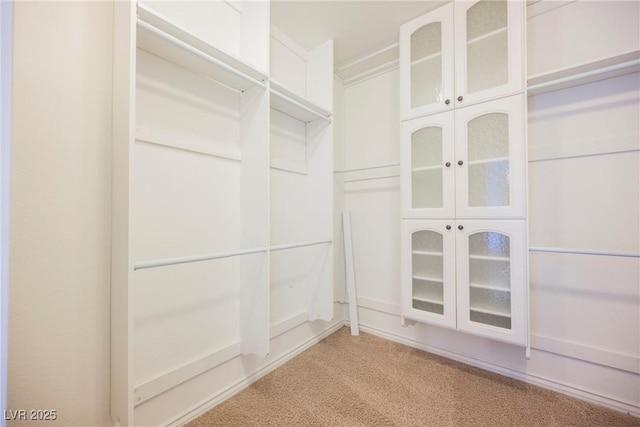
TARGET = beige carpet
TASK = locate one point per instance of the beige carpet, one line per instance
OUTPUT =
(368, 381)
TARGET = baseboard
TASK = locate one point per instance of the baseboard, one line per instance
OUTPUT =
(611, 403)
(202, 407)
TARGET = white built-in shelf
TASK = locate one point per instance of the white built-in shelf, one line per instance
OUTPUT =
(589, 72)
(426, 168)
(427, 253)
(427, 279)
(490, 34)
(490, 258)
(489, 287)
(159, 36)
(296, 106)
(491, 312)
(427, 300)
(487, 161)
(427, 58)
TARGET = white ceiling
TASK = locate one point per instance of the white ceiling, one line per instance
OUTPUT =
(357, 27)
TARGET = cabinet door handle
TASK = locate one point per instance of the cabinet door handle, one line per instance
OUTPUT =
(448, 227)
(447, 164)
(460, 227)
(460, 162)
(460, 98)
(447, 101)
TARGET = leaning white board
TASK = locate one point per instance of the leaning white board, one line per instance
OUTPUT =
(350, 273)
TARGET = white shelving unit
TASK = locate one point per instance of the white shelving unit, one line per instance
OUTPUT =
(463, 172)
(301, 182)
(204, 225)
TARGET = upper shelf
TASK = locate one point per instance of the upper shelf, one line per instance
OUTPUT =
(291, 104)
(606, 68)
(158, 35)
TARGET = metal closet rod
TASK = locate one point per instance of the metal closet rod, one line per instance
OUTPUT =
(585, 252)
(368, 168)
(218, 255)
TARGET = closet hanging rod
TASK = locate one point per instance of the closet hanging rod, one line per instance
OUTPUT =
(299, 245)
(367, 168)
(196, 258)
(156, 32)
(585, 252)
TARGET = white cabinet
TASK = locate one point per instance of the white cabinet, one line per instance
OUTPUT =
(467, 275)
(467, 163)
(485, 41)
(463, 169)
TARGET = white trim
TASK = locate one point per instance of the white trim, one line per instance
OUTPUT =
(538, 7)
(367, 57)
(206, 404)
(372, 73)
(367, 168)
(600, 356)
(587, 395)
(162, 383)
(6, 40)
(381, 306)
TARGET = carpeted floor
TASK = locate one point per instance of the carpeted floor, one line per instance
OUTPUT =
(368, 381)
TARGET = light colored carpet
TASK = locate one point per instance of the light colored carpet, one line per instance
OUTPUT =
(368, 381)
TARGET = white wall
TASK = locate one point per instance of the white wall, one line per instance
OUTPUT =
(60, 216)
(6, 66)
(584, 193)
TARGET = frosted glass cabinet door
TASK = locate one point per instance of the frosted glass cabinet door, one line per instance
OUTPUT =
(491, 279)
(427, 167)
(489, 49)
(489, 159)
(426, 63)
(428, 271)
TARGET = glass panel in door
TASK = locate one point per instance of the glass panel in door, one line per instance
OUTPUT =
(487, 45)
(488, 160)
(490, 279)
(426, 168)
(427, 271)
(426, 65)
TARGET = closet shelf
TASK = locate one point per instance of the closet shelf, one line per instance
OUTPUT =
(588, 72)
(195, 258)
(427, 58)
(161, 37)
(427, 300)
(299, 245)
(487, 161)
(490, 34)
(427, 253)
(426, 168)
(489, 287)
(427, 279)
(491, 312)
(291, 104)
(490, 258)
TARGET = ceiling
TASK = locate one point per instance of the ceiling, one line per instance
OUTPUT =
(357, 27)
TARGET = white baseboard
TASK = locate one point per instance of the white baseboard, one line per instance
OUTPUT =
(202, 407)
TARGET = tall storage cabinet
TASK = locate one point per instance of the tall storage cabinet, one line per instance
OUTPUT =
(463, 172)
(222, 194)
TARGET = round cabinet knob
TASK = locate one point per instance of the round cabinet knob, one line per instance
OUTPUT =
(448, 227)
(447, 101)
(447, 164)
(460, 227)
(460, 162)
(460, 98)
